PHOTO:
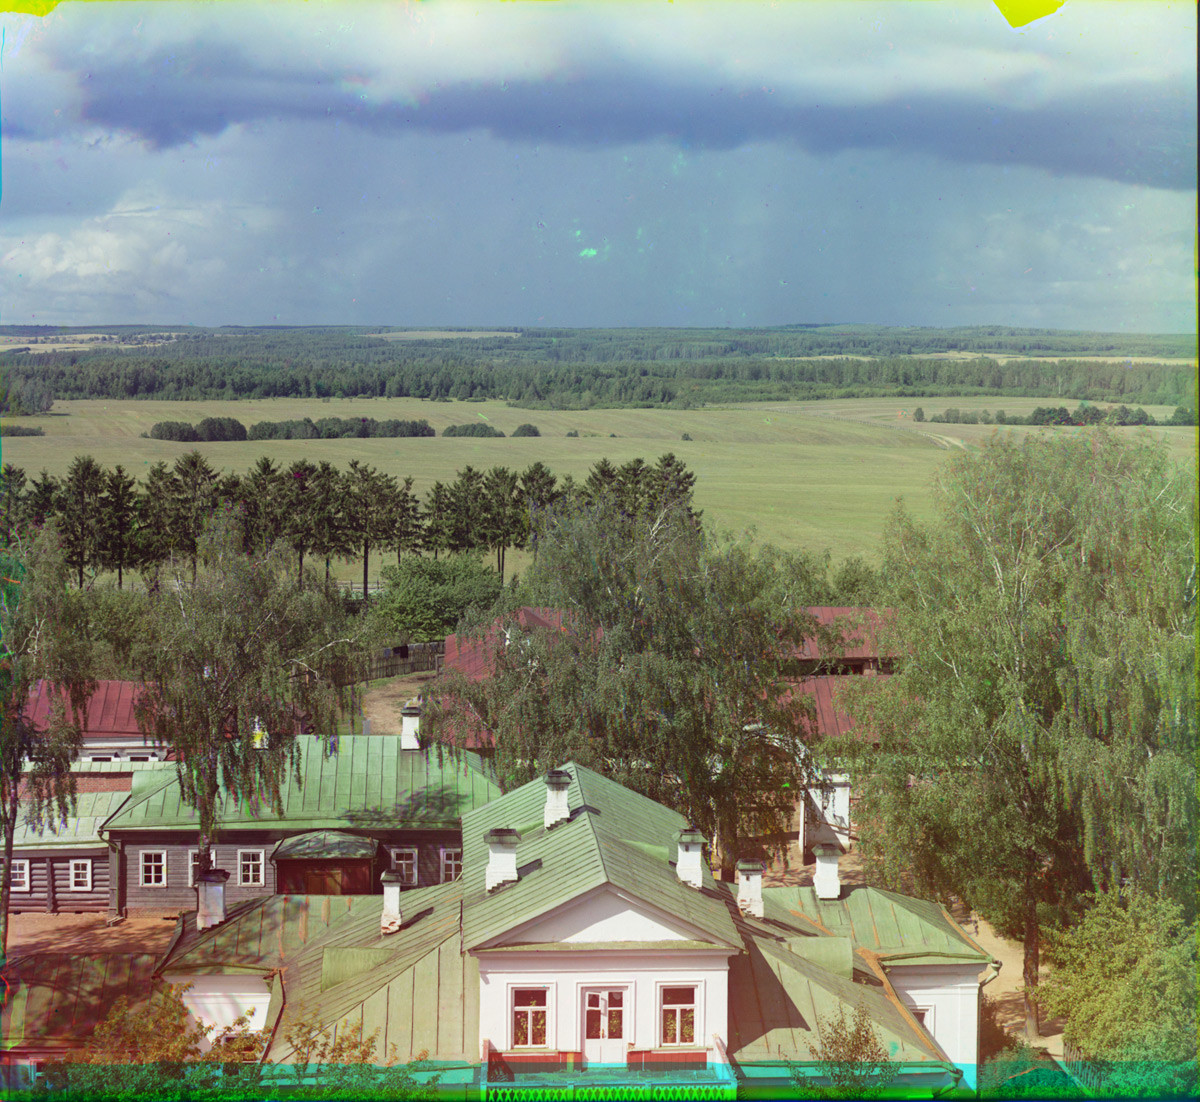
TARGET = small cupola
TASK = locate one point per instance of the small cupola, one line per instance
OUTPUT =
(827, 881)
(689, 864)
(210, 898)
(750, 896)
(502, 857)
(410, 726)
(558, 810)
(391, 919)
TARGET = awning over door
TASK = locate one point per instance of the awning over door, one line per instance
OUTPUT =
(325, 845)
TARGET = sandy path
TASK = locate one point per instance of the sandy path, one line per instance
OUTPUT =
(381, 703)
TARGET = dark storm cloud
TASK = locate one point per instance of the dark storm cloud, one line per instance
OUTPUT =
(1136, 133)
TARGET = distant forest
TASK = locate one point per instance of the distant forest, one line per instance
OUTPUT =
(585, 368)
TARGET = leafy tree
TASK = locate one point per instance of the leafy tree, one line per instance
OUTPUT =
(468, 506)
(424, 599)
(43, 633)
(475, 428)
(265, 499)
(240, 651)
(118, 510)
(501, 522)
(851, 1058)
(918, 415)
(438, 519)
(82, 515)
(1038, 735)
(327, 523)
(526, 430)
(666, 675)
(297, 510)
(1125, 979)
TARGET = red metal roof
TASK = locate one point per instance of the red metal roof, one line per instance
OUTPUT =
(832, 721)
(861, 627)
(110, 710)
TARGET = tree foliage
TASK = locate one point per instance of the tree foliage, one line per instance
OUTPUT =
(240, 651)
(1125, 979)
(851, 1059)
(44, 638)
(665, 675)
(424, 599)
(1038, 737)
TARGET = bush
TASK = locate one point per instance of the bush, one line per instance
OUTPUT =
(20, 430)
(526, 430)
(425, 598)
(178, 431)
(476, 428)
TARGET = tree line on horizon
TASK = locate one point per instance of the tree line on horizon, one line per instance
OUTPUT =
(574, 369)
(1083, 414)
(112, 523)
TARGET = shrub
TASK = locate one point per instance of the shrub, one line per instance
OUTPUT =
(20, 430)
(476, 428)
(526, 430)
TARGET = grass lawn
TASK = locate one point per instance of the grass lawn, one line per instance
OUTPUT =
(810, 475)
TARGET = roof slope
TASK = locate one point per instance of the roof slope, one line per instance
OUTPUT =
(356, 781)
(57, 999)
(899, 928)
(80, 829)
(613, 836)
(111, 709)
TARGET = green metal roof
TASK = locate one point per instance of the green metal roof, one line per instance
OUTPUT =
(902, 930)
(57, 999)
(614, 836)
(417, 985)
(367, 781)
(326, 845)
(76, 831)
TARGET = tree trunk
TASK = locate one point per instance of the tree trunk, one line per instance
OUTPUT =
(1030, 971)
(300, 569)
(10, 824)
(366, 559)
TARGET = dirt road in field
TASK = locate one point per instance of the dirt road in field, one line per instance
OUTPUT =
(382, 702)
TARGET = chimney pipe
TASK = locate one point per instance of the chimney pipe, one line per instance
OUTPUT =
(690, 861)
(502, 857)
(210, 898)
(558, 810)
(391, 919)
(410, 726)
(827, 882)
(750, 896)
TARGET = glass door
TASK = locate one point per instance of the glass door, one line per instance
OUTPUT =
(604, 1041)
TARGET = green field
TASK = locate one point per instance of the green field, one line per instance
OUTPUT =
(810, 475)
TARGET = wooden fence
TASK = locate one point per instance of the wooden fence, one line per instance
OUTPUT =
(394, 661)
(1089, 1074)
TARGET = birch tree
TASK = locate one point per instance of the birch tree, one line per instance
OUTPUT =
(1038, 737)
(44, 638)
(240, 658)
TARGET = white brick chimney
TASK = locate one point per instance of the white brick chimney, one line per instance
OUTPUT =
(750, 896)
(410, 726)
(690, 862)
(391, 919)
(210, 898)
(502, 857)
(827, 881)
(558, 810)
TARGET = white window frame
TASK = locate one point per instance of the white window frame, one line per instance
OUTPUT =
(406, 854)
(924, 1017)
(697, 1013)
(548, 1009)
(25, 883)
(454, 854)
(193, 866)
(77, 864)
(142, 881)
(262, 868)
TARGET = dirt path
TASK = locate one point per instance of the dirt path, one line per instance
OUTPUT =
(382, 702)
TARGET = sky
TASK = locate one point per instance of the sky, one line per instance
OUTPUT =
(599, 163)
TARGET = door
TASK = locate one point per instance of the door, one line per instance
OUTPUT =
(604, 1024)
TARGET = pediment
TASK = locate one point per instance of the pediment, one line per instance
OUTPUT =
(603, 916)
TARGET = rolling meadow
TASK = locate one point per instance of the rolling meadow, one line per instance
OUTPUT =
(802, 475)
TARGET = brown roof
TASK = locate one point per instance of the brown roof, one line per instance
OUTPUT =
(861, 627)
(822, 690)
(110, 710)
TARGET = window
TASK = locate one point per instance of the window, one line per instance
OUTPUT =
(451, 864)
(101, 757)
(529, 1016)
(154, 868)
(678, 1015)
(250, 868)
(140, 757)
(19, 876)
(193, 866)
(404, 862)
(81, 875)
(604, 1015)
